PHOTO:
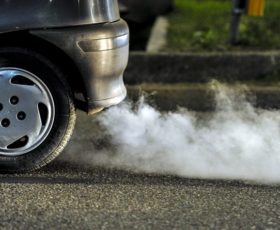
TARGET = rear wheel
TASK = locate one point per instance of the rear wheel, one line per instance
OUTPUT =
(37, 113)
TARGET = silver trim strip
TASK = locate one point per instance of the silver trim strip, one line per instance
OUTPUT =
(104, 44)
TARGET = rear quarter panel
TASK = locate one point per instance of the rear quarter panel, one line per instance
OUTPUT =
(31, 14)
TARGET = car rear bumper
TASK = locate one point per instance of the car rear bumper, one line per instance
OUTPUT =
(100, 52)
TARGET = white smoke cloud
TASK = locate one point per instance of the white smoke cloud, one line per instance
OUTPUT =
(237, 141)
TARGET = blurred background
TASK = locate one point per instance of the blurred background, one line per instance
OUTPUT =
(200, 25)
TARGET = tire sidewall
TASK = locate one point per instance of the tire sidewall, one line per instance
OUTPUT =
(53, 78)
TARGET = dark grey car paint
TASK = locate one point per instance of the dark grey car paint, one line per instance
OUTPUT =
(90, 32)
(30, 14)
(100, 52)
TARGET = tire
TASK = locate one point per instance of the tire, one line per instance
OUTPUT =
(37, 113)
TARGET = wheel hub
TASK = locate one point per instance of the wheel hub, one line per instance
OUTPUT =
(26, 111)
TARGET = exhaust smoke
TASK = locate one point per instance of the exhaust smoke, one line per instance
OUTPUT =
(236, 141)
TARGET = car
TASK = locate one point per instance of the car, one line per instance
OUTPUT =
(56, 56)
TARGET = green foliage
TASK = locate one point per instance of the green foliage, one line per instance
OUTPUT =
(203, 25)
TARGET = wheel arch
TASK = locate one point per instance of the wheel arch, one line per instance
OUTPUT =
(24, 39)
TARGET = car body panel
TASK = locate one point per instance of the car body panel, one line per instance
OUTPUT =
(89, 32)
(31, 14)
(100, 51)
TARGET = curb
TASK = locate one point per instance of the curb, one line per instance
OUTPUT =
(229, 67)
(200, 97)
(158, 35)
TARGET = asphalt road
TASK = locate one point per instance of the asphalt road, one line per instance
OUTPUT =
(68, 194)
(72, 194)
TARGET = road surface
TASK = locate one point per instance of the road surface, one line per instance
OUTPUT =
(70, 195)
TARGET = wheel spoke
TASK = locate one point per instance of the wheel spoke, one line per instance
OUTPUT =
(33, 93)
(5, 141)
(20, 115)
